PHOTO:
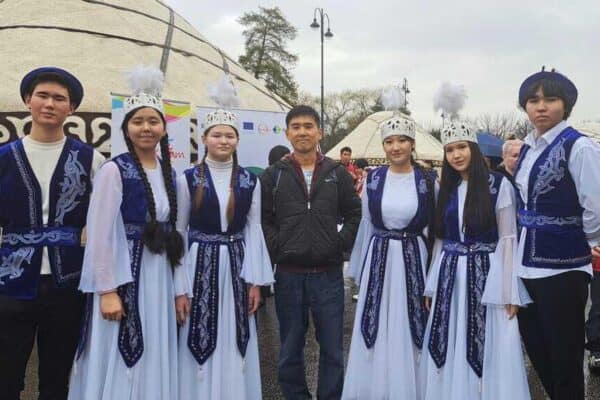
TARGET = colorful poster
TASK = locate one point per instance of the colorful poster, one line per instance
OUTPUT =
(177, 115)
(259, 132)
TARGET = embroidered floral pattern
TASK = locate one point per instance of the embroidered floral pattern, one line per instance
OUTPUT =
(438, 338)
(370, 315)
(477, 269)
(131, 340)
(422, 186)
(11, 264)
(47, 238)
(21, 167)
(491, 183)
(372, 185)
(128, 170)
(202, 338)
(533, 221)
(415, 286)
(246, 181)
(550, 171)
(240, 294)
(72, 187)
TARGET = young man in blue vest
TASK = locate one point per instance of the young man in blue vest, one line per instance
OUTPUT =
(45, 184)
(558, 179)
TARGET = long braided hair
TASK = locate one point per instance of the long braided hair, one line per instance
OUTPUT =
(155, 237)
(199, 194)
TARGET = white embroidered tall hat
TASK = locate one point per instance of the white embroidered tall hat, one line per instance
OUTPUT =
(450, 99)
(457, 131)
(223, 93)
(146, 84)
(392, 98)
(398, 125)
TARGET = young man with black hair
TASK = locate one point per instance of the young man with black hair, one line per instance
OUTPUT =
(302, 197)
(558, 181)
(45, 183)
(346, 161)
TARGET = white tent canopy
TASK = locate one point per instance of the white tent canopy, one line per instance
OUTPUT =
(365, 141)
(592, 129)
(99, 41)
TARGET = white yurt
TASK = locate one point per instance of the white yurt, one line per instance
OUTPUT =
(365, 142)
(592, 129)
(98, 41)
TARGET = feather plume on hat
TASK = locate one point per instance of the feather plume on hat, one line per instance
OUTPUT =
(392, 99)
(450, 99)
(224, 93)
(146, 83)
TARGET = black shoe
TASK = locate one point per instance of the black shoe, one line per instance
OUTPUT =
(594, 362)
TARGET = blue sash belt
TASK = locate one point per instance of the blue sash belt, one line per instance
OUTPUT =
(478, 265)
(533, 220)
(42, 237)
(202, 338)
(415, 285)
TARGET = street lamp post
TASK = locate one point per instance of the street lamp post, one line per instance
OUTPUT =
(328, 35)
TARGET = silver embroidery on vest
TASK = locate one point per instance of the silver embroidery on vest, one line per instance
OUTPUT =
(11, 264)
(71, 187)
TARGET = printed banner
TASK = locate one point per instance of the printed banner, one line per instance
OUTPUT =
(259, 132)
(177, 115)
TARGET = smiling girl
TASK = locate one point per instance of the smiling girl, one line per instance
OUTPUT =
(129, 340)
(227, 262)
(389, 262)
(474, 349)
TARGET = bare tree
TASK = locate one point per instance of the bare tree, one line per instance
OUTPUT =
(343, 110)
(503, 125)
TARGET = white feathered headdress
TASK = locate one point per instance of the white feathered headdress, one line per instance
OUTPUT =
(392, 99)
(224, 93)
(146, 83)
(450, 99)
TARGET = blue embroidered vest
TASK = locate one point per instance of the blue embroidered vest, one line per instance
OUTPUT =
(134, 206)
(208, 218)
(452, 226)
(24, 232)
(553, 217)
(375, 185)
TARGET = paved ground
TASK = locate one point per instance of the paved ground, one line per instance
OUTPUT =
(269, 350)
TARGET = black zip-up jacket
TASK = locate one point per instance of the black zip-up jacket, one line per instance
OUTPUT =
(300, 228)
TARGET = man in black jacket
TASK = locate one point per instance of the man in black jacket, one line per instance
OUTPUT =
(302, 197)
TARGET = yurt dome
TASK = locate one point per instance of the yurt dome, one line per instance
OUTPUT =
(99, 41)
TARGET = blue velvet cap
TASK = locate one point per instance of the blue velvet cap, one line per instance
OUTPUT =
(75, 87)
(568, 86)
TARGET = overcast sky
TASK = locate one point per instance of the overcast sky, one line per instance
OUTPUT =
(487, 47)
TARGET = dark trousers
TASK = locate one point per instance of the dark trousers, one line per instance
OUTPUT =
(592, 325)
(552, 328)
(54, 317)
(323, 294)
